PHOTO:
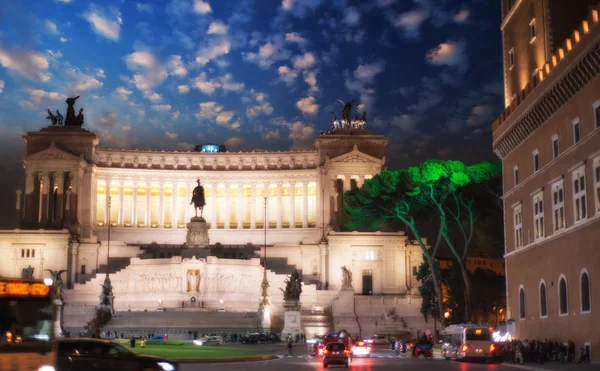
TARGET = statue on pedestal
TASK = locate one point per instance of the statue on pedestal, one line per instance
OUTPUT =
(57, 283)
(346, 277)
(198, 199)
(293, 287)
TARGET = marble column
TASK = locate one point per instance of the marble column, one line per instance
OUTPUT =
(175, 198)
(240, 208)
(45, 185)
(121, 208)
(18, 205)
(161, 215)
(29, 204)
(134, 205)
(360, 181)
(213, 221)
(227, 216)
(347, 183)
(59, 178)
(107, 203)
(148, 210)
(279, 206)
(292, 205)
(305, 206)
(253, 207)
(323, 251)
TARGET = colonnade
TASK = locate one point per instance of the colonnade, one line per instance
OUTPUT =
(164, 204)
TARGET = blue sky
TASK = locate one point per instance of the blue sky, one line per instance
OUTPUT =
(170, 74)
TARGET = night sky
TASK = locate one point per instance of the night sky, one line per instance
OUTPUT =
(170, 74)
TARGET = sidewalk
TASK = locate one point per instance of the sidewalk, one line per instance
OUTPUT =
(553, 366)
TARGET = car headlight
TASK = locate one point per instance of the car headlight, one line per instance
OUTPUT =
(166, 366)
(46, 368)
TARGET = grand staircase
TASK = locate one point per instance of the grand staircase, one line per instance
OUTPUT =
(116, 264)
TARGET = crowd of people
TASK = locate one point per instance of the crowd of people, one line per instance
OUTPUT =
(537, 351)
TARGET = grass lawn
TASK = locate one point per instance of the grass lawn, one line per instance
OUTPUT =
(190, 351)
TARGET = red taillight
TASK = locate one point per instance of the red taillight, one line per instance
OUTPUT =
(368, 348)
(325, 351)
(492, 348)
(346, 351)
(361, 344)
(321, 351)
(465, 347)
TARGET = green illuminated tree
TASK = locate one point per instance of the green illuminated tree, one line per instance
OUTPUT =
(435, 187)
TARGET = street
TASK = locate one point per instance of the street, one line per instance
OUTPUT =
(381, 359)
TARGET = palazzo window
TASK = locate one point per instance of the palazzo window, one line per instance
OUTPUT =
(558, 206)
(536, 161)
(369, 255)
(576, 131)
(518, 217)
(597, 113)
(555, 148)
(597, 184)
(516, 174)
(511, 58)
(532, 31)
(585, 293)
(538, 215)
(579, 199)
(543, 300)
(563, 297)
(521, 303)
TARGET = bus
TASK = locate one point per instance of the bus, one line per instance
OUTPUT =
(26, 325)
(467, 341)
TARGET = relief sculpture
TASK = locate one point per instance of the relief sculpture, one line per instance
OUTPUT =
(193, 280)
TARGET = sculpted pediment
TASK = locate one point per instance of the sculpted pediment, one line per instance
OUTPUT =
(356, 156)
(53, 154)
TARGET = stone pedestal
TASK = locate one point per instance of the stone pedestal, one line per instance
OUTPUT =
(57, 329)
(292, 318)
(197, 235)
(343, 312)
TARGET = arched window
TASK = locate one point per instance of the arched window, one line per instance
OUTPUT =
(585, 293)
(521, 303)
(543, 300)
(563, 296)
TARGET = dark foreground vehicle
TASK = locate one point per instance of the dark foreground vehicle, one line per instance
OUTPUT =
(104, 355)
(424, 348)
(336, 354)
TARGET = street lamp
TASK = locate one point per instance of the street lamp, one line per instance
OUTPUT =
(264, 307)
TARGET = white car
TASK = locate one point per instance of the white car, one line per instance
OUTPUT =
(209, 340)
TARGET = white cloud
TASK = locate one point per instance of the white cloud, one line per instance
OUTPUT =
(287, 74)
(308, 105)
(185, 146)
(217, 28)
(410, 22)
(229, 85)
(224, 117)
(176, 66)
(144, 8)
(183, 89)
(202, 7)
(406, 123)
(124, 93)
(304, 61)
(175, 115)
(1, 86)
(295, 37)
(62, 1)
(362, 78)
(234, 142)
(311, 79)
(37, 95)
(482, 114)
(264, 108)
(301, 132)
(154, 97)
(150, 72)
(161, 107)
(50, 27)
(384, 3)
(29, 63)
(104, 23)
(268, 53)
(100, 73)
(271, 134)
(79, 81)
(462, 16)
(170, 135)
(64, 39)
(26, 104)
(215, 49)
(204, 85)
(351, 16)
(300, 8)
(450, 53)
(209, 110)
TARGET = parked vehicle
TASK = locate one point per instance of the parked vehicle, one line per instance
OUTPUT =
(105, 355)
(255, 338)
(336, 354)
(209, 340)
(465, 341)
(380, 340)
(361, 348)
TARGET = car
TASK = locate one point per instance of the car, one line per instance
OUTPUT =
(336, 354)
(380, 340)
(104, 355)
(361, 348)
(209, 340)
(255, 339)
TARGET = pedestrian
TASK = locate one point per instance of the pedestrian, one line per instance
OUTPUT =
(288, 348)
(132, 342)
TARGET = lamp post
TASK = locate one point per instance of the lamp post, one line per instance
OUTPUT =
(108, 242)
(265, 302)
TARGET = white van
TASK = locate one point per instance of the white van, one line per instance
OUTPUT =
(467, 341)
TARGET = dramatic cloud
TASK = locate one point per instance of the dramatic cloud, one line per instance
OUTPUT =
(104, 23)
(212, 111)
(176, 66)
(29, 63)
(483, 114)
(37, 95)
(161, 107)
(213, 50)
(410, 22)
(79, 81)
(361, 80)
(310, 78)
(204, 85)
(406, 123)
(202, 7)
(150, 72)
(304, 61)
(308, 105)
(217, 28)
(183, 89)
(462, 16)
(450, 53)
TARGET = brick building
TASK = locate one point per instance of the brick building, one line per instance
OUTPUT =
(548, 138)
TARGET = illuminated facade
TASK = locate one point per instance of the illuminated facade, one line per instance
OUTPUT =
(548, 138)
(293, 199)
